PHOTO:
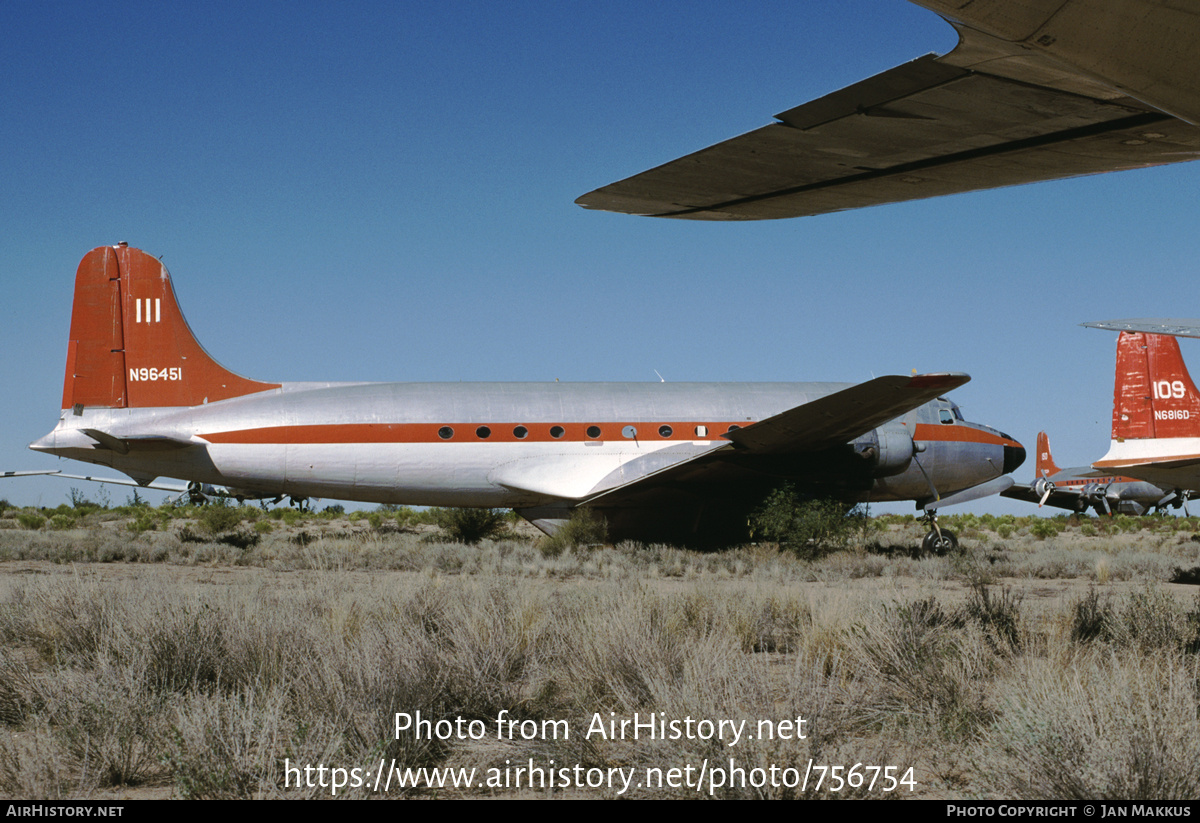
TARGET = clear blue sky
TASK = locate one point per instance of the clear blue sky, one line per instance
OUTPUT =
(384, 191)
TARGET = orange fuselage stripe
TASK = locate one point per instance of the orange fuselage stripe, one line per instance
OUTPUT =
(537, 433)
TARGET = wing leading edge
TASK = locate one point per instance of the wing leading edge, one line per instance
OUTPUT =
(986, 115)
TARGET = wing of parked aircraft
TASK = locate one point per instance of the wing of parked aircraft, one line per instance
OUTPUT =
(823, 424)
(991, 113)
(830, 421)
(841, 417)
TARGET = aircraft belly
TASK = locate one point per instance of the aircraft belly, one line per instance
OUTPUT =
(445, 474)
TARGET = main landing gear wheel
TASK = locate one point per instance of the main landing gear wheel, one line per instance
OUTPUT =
(944, 542)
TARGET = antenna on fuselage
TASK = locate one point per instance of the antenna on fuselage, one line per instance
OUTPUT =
(661, 379)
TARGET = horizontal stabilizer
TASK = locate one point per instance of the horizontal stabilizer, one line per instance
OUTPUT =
(116, 481)
(1150, 325)
(150, 442)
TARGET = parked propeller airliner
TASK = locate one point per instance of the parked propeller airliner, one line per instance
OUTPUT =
(1082, 488)
(1034, 90)
(679, 462)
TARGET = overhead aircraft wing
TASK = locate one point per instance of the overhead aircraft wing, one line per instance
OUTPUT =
(988, 114)
(829, 421)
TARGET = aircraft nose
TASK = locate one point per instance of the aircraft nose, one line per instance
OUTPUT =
(1014, 456)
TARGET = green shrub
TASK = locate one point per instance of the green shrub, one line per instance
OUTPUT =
(82, 505)
(809, 527)
(471, 525)
(30, 520)
(147, 519)
(583, 528)
(217, 518)
(1042, 529)
(60, 522)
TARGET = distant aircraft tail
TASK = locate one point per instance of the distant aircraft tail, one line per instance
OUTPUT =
(1045, 463)
(130, 346)
(1153, 395)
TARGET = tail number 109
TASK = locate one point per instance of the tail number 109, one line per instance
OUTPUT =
(1164, 390)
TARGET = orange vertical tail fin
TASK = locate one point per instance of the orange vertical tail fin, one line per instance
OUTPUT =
(1045, 463)
(1153, 394)
(130, 345)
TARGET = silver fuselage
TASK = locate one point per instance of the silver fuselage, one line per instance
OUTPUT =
(388, 443)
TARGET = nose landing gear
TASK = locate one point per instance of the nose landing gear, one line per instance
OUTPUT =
(938, 541)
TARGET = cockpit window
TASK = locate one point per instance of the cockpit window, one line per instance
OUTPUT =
(945, 415)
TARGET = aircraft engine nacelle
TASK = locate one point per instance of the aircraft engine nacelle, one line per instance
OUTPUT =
(891, 450)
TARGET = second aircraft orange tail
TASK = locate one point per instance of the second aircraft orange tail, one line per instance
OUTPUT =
(1045, 463)
(1153, 395)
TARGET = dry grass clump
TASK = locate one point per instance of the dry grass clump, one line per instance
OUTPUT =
(1109, 727)
(926, 666)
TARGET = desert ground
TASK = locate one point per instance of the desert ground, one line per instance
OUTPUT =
(242, 652)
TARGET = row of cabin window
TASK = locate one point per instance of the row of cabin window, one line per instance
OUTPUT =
(557, 432)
